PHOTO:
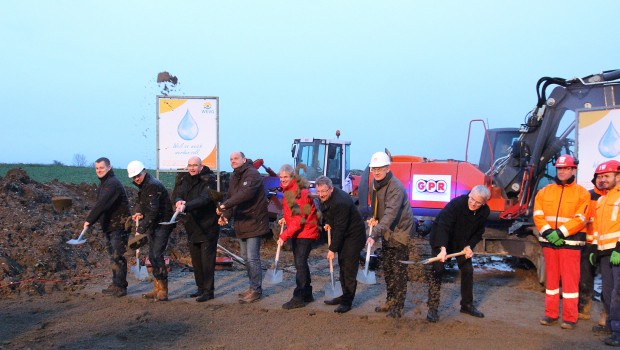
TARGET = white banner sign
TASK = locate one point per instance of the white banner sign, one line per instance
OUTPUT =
(598, 141)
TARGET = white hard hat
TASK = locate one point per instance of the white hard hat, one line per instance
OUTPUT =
(379, 159)
(134, 168)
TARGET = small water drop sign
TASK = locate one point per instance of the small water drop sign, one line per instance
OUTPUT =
(186, 127)
(598, 140)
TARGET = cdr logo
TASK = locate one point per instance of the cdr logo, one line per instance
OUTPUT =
(431, 186)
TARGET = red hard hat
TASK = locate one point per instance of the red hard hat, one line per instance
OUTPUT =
(608, 167)
(566, 161)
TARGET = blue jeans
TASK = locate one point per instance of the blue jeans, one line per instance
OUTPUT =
(157, 245)
(250, 251)
(301, 251)
(117, 244)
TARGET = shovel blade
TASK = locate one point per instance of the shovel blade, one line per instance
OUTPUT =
(332, 291)
(168, 223)
(273, 276)
(142, 273)
(76, 241)
(366, 278)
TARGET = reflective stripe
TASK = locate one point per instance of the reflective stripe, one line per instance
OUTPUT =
(614, 213)
(581, 217)
(552, 291)
(539, 212)
(570, 295)
(545, 228)
(611, 245)
(564, 231)
(557, 218)
(609, 236)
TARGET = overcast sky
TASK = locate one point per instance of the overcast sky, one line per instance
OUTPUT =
(80, 76)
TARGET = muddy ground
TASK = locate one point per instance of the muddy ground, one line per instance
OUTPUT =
(50, 296)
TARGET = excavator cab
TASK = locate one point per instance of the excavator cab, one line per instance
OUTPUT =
(314, 157)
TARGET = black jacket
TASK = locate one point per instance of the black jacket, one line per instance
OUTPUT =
(347, 224)
(112, 206)
(153, 203)
(200, 220)
(457, 227)
(248, 202)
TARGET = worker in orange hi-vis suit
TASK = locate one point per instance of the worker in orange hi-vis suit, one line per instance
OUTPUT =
(560, 215)
(606, 237)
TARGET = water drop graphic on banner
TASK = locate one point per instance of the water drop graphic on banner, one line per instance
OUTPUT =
(609, 146)
(187, 129)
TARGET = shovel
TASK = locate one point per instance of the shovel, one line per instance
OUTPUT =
(140, 273)
(332, 290)
(173, 220)
(230, 254)
(273, 276)
(365, 276)
(80, 239)
(430, 260)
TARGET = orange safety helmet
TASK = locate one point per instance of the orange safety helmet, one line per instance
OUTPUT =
(566, 161)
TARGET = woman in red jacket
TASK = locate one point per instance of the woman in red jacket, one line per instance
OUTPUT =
(300, 218)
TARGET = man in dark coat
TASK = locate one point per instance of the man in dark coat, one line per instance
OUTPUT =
(194, 198)
(153, 206)
(112, 210)
(458, 227)
(348, 237)
(247, 203)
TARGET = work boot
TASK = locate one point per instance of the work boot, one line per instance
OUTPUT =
(471, 310)
(432, 315)
(245, 293)
(308, 298)
(393, 313)
(612, 341)
(120, 292)
(568, 325)
(383, 308)
(152, 294)
(205, 297)
(293, 304)
(602, 330)
(341, 309)
(584, 313)
(603, 320)
(250, 298)
(196, 294)
(162, 292)
(335, 301)
(109, 290)
(548, 321)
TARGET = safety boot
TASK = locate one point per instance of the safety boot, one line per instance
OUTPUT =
(162, 293)
(603, 320)
(584, 313)
(383, 308)
(152, 294)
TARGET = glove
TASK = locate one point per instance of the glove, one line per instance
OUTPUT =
(555, 239)
(615, 258)
(591, 251)
(546, 233)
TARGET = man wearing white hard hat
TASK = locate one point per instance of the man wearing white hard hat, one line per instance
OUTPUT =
(392, 221)
(153, 206)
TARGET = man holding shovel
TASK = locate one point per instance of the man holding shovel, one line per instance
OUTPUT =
(458, 227)
(153, 207)
(300, 218)
(392, 220)
(112, 210)
(195, 196)
(347, 237)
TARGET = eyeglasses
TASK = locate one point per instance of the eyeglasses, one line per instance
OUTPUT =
(474, 201)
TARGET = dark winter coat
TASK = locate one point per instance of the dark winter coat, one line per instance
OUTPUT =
(390, 206)
(153, 203)
(247, 203)
(200, 220)
(457, 227)
(112, 206)
(347, 225)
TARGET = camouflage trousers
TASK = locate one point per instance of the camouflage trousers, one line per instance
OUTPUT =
(395, 274)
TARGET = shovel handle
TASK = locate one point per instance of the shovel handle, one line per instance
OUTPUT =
(174, 216)
(447, 257)
(278, 252)
(329, 237)
(137, 224)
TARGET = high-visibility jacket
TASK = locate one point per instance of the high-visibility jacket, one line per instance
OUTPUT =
(595, 194)
(563, 208)
(607, 220)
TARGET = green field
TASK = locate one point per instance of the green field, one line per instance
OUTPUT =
(74, 174)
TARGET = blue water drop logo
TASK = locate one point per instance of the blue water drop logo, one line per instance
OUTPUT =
(609, 146)
(187, 129)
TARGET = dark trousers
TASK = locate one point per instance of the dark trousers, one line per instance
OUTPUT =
(203, 259)
(607, 281)
(395, 273)
(117, 245)
(158, 241)
(348, 260)
(301, 251)
(586, 280)
(434, 281)
(613, 317)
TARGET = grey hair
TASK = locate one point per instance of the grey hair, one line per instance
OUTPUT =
(287, 168)
(481, 190)
(323, 180)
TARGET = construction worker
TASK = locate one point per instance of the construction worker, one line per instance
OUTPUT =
(153, 206)
(194, 196)
(112, 210)
(560, 214)
(392, 220)
(247, 203)
(606, 236)
(300, 219)
(588, 269)
(348, 236)
(458, 227)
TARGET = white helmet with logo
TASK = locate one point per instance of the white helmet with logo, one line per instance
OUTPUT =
(134, 168)
(379, 159)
